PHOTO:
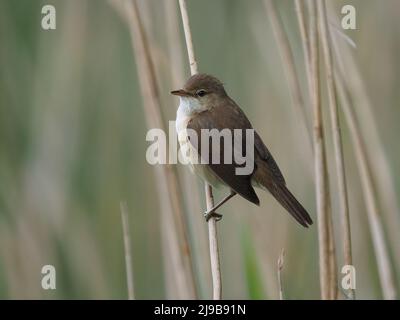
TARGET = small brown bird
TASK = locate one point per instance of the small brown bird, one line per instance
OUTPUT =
(204, 104)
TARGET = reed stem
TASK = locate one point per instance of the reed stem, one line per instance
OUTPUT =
(127, 249)
(337, 138)
(322, 188)
(281, 261)
(364, 167)
(212, 223)
(288, 65)
(172, 214)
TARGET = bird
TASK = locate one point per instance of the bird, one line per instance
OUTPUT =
(205, 105)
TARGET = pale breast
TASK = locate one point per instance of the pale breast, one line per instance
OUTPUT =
(187, 108)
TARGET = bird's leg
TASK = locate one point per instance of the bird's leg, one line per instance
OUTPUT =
(211, 212)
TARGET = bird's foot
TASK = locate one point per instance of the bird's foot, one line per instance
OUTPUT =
(211, 214)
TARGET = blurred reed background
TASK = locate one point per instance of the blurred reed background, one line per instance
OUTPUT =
(72, 147)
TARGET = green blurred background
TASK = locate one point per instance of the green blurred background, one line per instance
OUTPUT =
(72, 146)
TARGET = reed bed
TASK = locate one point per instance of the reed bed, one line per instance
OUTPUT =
(212, 223)
(73, 122)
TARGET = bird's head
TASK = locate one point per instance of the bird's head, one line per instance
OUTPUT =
(201, 92)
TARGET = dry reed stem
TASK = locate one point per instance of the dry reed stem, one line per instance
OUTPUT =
(336, 134)
(127, 249)
(295, 88)
(212, 223)
(322, 192)
(172, 218)
(333, 285)
(175, 48)
(299, 5)
(375, 222)
(191, 189)
(380, 166)
(188, 37)
(281, 261)
(288, 65)
(331, 244)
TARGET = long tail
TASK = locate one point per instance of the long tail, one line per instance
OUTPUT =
(290, 203)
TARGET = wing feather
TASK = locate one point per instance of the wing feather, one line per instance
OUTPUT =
(226, 172)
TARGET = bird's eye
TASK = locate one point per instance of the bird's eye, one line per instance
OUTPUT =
(201, 93)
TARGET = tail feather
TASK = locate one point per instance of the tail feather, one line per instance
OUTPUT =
(290, 203)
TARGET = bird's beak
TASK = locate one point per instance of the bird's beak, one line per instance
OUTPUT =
(181, 93)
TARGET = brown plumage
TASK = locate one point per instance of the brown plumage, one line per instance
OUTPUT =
(214, 109)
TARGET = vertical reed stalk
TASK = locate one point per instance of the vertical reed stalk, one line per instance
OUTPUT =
(327, 247)
(280, 268)
(375, 149)
(336, 134)
(310, 48)
(299, 5)
(191, 190)
(381, 172)
(322, 191)
(333, 281)
(172, 216)
(127, 247)
(288, 64)
(212, 223)
(375, 221)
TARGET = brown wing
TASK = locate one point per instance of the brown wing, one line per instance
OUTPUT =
(260, 147)
(233, 118)
(267, 157)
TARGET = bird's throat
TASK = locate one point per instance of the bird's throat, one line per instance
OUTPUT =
(189, 106)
